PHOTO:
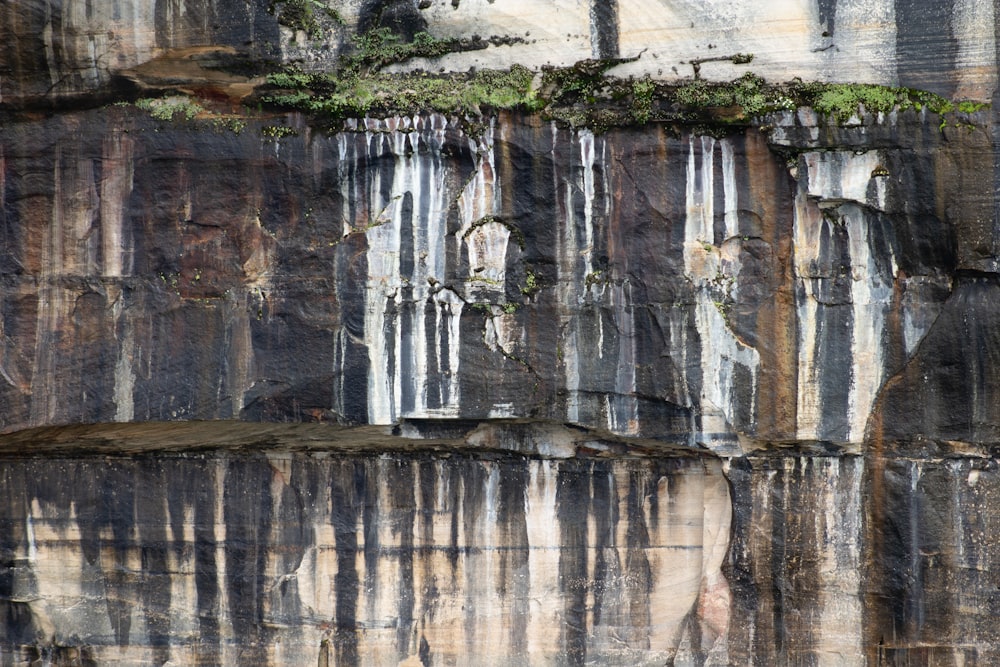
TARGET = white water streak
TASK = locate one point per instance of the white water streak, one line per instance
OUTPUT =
(722, 353)
(417, 206)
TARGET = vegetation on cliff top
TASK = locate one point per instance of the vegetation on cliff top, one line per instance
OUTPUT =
(582, 101)
(582, 95)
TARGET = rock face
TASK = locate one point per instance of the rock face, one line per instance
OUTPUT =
(372, 556)
(430, 390)
(74, 47)
(724, 292)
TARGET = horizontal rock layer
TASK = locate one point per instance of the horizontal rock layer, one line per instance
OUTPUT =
(56, 50)
(722, 292)
(710, 395)
(367, 556)
(361, 550)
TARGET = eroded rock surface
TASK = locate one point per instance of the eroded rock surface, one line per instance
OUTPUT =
(494, 390)
(371, 555)
(679, 287)
(75, 48)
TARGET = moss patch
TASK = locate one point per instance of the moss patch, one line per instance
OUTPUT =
(180, 108)
(842, 100)
(303, 15)
(169, 108)
(336, 98)
(582, 95)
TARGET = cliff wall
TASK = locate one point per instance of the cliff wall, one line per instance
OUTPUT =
(498, 387)
(73, 47)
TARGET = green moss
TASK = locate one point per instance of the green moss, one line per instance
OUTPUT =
(351, 94)
(302, 15)
(277, 131)
(843, 100)
(747, 96)
(167, 108)
(579, 96)
(642, 96)
(967, 106)
(380, 47)
(531, 284)
(289, 79)
(233, 124)
(178, 108)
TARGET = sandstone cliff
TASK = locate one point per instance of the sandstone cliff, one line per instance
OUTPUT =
(628, 370)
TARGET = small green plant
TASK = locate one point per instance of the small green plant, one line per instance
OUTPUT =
(379, 47)
(290, 79)
(597, 277)
(166, 108)
(842, 100)
(724, 308)
(967, 106)
(351, 94)
(277, 131)
(642, 99)
(531, 285)
(230, 123)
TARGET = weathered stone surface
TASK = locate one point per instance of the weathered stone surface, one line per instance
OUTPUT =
(492, 390)
(75, 47)
(684, 288)
(727, 293)
(367, 556)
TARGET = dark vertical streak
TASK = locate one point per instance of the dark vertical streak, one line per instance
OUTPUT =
(779, 560)
(572, 505)
(473, 506)
(512, 584)
(403, 515)
(603, 509)
(154, 591)
(369, 523)
(206, 571)
(828, 15)
(637, 572)
(347, 487)
(292, 536)
(455, 482)
(435, 380)
(17, 625)
(835, 323)
(428, 495)
(351, 364)
(604, 28)
(117, 510)
(407, 307)
(738, 568)
(247, 500)
(925, 46)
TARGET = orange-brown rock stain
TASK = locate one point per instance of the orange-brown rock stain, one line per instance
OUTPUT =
(771, 198)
